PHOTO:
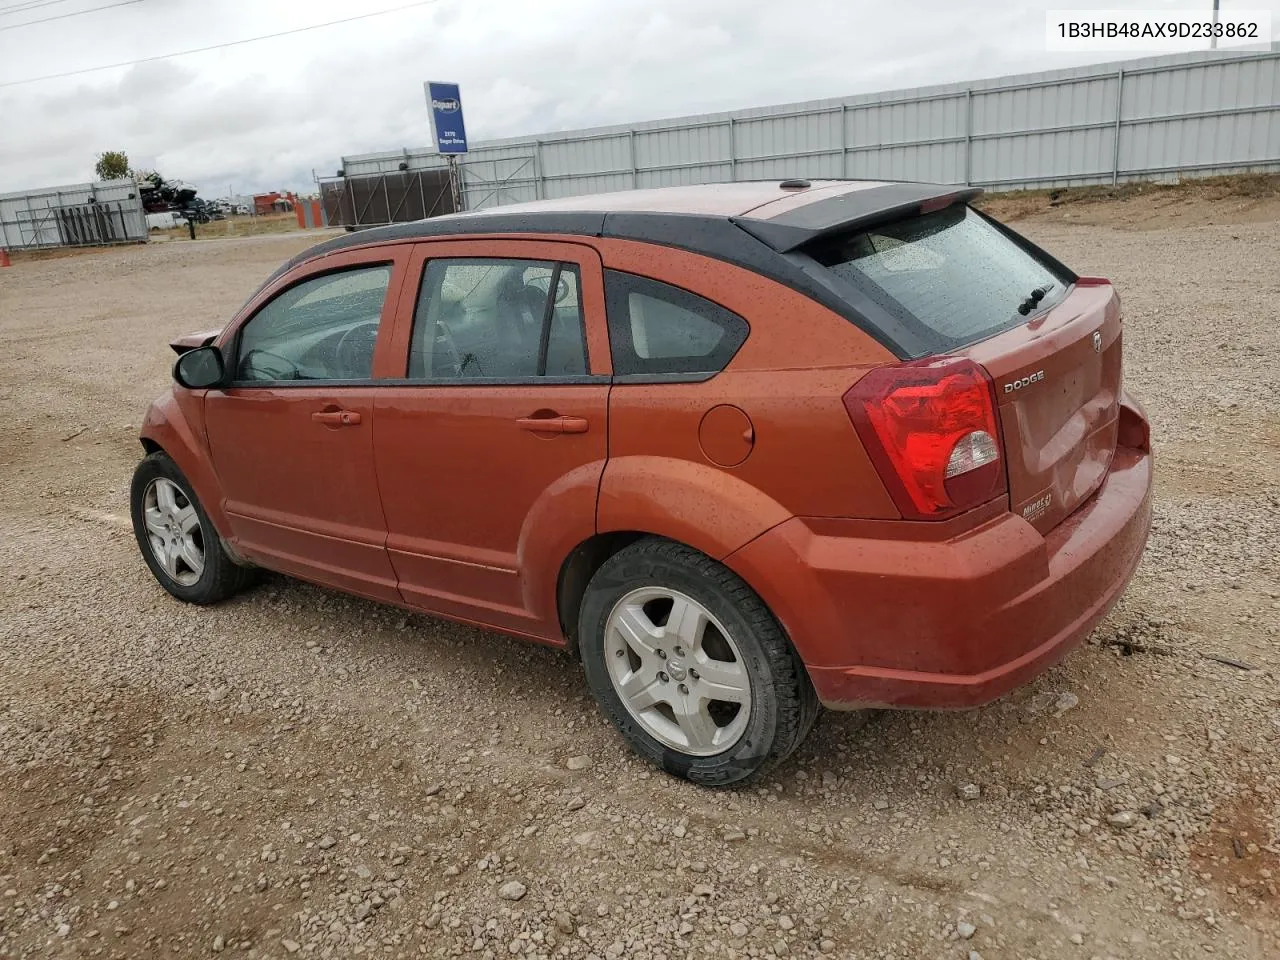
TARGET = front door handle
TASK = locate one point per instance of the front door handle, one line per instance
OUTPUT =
(337, 418)
(554, 424)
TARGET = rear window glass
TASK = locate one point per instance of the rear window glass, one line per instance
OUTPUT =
(950, 276)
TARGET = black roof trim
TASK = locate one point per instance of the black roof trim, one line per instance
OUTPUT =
(766, 247)
(568, 222)
(846, 211)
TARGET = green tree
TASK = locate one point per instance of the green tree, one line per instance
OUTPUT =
(112, 165)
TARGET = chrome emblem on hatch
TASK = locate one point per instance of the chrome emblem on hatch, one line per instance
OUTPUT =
(1026, 381)
(1037, 507)
(1097, 341)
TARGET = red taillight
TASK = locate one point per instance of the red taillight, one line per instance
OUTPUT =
(930, 429)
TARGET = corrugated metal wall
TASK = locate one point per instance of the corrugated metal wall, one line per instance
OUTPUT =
(40, 218)
(1193, 114)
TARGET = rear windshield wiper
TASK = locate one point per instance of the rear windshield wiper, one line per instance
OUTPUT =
(1034, 298)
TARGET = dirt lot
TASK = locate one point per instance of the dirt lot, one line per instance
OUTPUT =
(300, 773)
(1244, 198)
(240, 226)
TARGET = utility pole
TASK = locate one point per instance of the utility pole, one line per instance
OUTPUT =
(455, 185)
(1213, 41)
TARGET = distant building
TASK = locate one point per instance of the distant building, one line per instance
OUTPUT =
(274, 202)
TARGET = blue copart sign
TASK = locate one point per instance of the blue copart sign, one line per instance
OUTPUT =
(447, 127)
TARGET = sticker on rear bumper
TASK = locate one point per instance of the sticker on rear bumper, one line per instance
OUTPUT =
(1037, 507)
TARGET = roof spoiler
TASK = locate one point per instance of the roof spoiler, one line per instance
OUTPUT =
(857, 208)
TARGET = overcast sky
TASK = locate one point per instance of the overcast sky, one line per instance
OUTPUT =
(263, 115)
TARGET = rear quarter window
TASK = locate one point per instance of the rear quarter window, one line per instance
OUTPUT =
(951, 277)
(656, 329)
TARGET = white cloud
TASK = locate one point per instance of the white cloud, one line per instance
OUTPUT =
(263, 115)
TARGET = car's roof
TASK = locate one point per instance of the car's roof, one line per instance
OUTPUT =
(711, 199)
(709, 218)
(753, 224)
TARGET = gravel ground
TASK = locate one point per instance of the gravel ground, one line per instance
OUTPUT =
(300, 773)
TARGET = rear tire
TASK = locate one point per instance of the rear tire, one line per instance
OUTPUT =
(176, 537)
(690, 666)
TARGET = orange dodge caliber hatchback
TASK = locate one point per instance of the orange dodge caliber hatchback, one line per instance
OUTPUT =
(742, 449)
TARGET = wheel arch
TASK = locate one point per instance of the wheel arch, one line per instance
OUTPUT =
(693, 504)
(590, 555)
(711, 509)
(577, 570)
(173, 426)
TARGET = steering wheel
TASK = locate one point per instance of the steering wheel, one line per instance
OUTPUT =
(562, 287)
(278, 367)
(354, 352)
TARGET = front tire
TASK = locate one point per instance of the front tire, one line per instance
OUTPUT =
(176, 537)
(690, 666)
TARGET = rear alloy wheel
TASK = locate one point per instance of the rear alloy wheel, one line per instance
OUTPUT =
(677, 671)
(176, 537)
(690, 665)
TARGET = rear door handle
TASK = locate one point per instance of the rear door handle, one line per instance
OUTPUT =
(554, 424)
(337, 418)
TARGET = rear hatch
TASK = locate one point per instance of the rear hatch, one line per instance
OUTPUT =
(1057, 381)
(952, 282)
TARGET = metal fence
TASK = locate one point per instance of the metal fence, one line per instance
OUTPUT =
(85, 214)
(1180, 115)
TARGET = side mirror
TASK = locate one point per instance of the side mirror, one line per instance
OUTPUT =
(199, 369)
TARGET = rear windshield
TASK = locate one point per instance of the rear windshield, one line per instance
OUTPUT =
(950, 277)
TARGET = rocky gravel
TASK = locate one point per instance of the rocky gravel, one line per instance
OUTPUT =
(298, 773)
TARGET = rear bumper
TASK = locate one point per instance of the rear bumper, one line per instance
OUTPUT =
(883, 617)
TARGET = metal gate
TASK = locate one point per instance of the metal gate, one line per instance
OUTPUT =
(498, 181)
(92, 224)
(399, 197)
(42, 220)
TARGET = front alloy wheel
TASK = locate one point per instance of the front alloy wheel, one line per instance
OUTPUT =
(176, 537)
(173, 531)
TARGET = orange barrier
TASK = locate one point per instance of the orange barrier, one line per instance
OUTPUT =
(310, 214)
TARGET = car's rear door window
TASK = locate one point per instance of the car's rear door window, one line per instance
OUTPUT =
(656, 329)
(498, 319)
(950, 276)
(323, 328)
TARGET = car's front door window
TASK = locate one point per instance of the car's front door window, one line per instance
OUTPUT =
(321, 329)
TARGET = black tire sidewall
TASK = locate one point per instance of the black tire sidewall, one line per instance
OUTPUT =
(630, 570)
(155, 466)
